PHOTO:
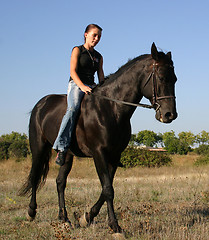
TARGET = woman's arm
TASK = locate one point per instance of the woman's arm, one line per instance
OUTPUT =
(100, 72)
(73, 71)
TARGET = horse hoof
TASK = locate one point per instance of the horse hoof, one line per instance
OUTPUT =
(68, 224)
(82, 221)
(31, 214)
(118, 236)
(29, 218)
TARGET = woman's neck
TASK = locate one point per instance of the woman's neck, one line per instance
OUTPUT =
(88, 47)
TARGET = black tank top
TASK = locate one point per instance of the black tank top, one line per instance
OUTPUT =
(88, 64)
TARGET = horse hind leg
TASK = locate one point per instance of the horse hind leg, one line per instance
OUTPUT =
(39, 171)
(61, 185)
(41, 153)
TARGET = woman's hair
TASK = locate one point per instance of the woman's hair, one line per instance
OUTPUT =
(89, 27)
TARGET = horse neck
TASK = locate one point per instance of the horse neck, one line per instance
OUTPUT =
(127, 86)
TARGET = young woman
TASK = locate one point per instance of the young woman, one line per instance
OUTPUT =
(85, 61)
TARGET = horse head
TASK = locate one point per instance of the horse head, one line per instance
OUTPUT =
(159, 87)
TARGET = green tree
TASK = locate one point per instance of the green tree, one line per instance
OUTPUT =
(181, 144)
(4, 152)
(203, 138)
(183, 148)
(187, 137)
(148, 138)
(132, 141)
(186, 141)
(15, 144)
(171, 142)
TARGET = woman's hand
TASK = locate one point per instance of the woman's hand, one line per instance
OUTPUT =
(85, 89)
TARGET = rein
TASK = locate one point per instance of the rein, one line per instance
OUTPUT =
(154, 97)
(124, 102)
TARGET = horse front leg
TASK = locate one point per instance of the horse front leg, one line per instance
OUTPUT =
(106, 174)
(61, 185)
(108, 192)
(97, 206)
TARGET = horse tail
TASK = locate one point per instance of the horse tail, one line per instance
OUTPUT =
(37, 176)
(41, 154)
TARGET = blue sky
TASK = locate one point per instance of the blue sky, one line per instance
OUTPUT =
(36, 39)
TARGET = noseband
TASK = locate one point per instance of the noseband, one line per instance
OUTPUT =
(155, 97)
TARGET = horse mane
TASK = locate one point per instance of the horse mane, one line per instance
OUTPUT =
(124, 67)
(129, 63)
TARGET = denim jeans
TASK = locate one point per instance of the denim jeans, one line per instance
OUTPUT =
(74, 98)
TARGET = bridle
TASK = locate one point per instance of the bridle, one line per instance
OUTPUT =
(155, 98)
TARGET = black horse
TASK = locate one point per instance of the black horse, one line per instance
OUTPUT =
(103, 127)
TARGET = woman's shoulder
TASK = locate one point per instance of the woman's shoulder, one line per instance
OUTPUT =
(77, 50)
(80, 48)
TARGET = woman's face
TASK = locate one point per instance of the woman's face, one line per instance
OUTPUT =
(93, 37)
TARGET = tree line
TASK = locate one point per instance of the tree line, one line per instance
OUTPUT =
(17, 145)
(183, 143)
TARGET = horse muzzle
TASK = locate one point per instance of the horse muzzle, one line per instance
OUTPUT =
(166, 117)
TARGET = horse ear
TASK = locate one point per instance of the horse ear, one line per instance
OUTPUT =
(154, 52)
(169, 55)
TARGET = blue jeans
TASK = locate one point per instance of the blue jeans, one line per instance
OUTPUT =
(74, 98)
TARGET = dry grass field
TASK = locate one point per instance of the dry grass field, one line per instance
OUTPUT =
(167, 203)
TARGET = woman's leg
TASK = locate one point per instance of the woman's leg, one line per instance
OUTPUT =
(74, 98)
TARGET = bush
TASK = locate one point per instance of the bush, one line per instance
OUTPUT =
(13, 145)
(132, 157)
(4, 146)
(18, 149)
(202, 150)
(203, 160)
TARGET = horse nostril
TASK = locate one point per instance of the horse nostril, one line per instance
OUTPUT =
(169, 115)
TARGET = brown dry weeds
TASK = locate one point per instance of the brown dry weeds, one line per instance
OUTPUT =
(160, 203)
